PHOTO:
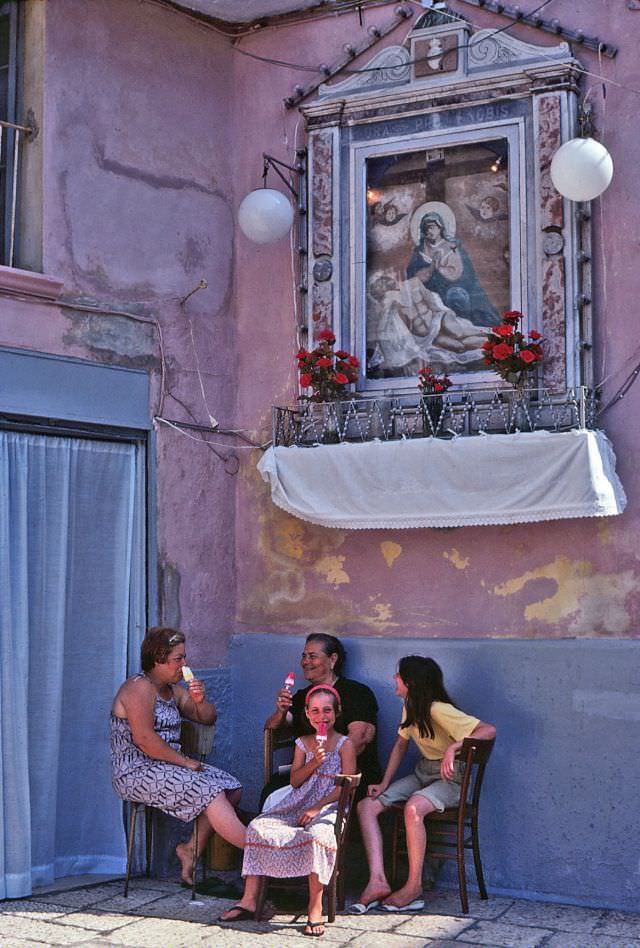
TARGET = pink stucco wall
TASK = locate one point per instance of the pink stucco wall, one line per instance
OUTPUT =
(153, 130)
(136, 204)
(570, 578)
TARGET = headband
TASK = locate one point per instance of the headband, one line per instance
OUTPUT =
(328, 688)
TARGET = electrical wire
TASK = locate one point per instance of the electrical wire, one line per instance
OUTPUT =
(355, 72)
(365, 69)
(212, 444)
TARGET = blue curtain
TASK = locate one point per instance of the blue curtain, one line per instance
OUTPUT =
(72, 581)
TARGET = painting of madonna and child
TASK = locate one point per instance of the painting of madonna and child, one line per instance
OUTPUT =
(437, 268)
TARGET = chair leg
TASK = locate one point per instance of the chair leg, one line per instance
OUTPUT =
(476, 859)
(340, 887)
(194, 864)
(462, 876)
(262, 891)
(132, 833)
(332, 895)
(148, 815)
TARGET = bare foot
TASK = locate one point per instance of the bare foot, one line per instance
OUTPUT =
(375, 891)
(403, 896)
(238, 913)
(184, 852)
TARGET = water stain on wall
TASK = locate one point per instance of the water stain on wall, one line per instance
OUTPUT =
(584, 600)
(454, 557)
(330, 568)
(390, 551)
(382, 613)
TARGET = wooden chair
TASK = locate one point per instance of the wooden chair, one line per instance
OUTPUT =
(456, 827)
(335, 890)
(196, 740)
(273, 742)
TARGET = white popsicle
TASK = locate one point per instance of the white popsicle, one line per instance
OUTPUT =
(187, 674)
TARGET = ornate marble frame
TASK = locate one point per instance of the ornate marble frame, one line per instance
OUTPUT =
(490, 83)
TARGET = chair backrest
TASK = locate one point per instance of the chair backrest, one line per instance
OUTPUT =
(196, 739)
(274, 741)
(474, 754)
(348, 784)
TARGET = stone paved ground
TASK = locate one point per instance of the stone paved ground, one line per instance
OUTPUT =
(160, 915)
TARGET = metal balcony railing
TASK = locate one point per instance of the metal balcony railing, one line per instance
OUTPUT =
(468, 413)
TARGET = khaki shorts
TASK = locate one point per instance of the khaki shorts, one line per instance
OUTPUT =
(425, 781)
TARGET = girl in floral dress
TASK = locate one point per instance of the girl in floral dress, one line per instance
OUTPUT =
(296, 837)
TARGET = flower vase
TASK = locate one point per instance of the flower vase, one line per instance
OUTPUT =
(331, 423)
(319, 423)
(517, 399)
(432, 408)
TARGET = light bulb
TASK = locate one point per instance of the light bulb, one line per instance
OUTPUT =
(581, 169)
(265, 215)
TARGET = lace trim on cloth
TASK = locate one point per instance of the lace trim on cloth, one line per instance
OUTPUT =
(429, 482)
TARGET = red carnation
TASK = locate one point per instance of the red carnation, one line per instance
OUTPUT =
(341, 378)
(513, 316)
(534, 334)
(306, 380)
(503, 330)
(342, 354)
(502, 351)
(324, 363)
(327, 335)
(527, 357)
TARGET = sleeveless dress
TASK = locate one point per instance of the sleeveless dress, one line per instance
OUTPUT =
(277, 846)
(141, 779)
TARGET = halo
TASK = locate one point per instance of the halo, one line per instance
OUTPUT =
(445, 212)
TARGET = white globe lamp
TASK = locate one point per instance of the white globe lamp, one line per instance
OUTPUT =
(581, 169)
(265, 215)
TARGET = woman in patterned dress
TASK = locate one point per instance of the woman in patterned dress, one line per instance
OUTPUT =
(297, 836)
(147, 764)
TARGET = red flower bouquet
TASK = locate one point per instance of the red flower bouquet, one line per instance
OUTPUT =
(326, 372)
(431, 384)
(509, 352)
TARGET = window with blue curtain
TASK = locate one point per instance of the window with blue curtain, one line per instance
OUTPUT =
(72, 615)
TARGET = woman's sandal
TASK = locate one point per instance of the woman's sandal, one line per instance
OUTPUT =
(310, 928)
(243, 915)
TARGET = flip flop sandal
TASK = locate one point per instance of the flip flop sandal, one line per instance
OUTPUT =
(416, 906)
(313, 925)
(244, 915)
(361, 908)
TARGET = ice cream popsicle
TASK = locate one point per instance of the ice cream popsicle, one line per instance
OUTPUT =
(187, 674)
(289, 682)
(321, 733)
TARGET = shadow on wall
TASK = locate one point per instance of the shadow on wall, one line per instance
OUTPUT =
(556, 810)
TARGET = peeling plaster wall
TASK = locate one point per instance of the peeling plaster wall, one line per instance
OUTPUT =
(569, 578)
(136, 181)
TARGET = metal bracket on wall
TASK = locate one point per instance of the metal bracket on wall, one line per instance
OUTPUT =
(549, 26)
(352, 52)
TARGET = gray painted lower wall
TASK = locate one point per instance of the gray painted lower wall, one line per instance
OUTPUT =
(559, 816)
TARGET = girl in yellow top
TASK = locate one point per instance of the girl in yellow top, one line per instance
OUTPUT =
(437, 727)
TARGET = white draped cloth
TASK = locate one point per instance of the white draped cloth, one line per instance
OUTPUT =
(433, 482)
